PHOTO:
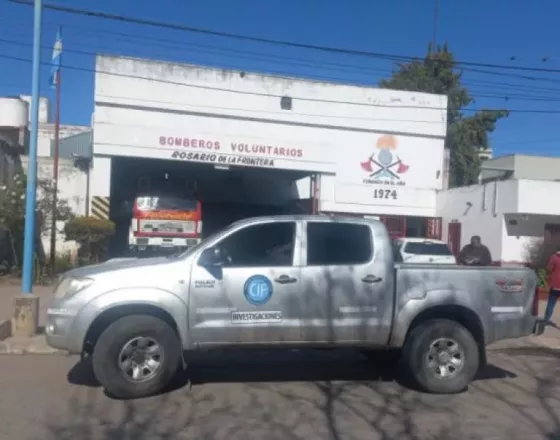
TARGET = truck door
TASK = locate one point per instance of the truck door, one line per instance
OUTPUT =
(252, 297)
(348, 291)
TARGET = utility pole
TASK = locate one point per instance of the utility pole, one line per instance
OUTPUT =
(31, 190)
(25, 313)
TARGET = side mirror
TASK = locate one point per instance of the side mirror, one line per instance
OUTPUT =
(211, 257)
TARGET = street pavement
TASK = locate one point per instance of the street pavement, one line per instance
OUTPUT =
(293, 395)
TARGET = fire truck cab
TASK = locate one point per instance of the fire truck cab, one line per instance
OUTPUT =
(166, 215)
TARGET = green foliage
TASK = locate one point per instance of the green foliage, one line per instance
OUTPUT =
(466, 135)
(64, 262)
(541, 278)
(12, 211)
(92, 235)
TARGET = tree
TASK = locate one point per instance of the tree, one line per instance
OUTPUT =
(12, 212)
(466, 135)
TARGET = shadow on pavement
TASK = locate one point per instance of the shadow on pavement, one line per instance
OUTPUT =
(284, 366)
(310, 394)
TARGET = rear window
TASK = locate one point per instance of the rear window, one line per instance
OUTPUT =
(427, 248)
(330, 244)
(166, 203)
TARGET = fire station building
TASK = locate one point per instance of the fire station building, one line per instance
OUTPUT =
(259, 144)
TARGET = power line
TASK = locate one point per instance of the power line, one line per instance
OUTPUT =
(222, 89)
(506, 97)
(308, 64)
(182, 44)
(269, 95)
(178, 27)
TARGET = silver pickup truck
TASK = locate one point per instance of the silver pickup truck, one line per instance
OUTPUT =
(288, 282)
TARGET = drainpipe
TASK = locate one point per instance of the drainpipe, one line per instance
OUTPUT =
(495, 204)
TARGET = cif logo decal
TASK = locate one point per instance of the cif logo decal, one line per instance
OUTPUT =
(385, 166)
(258, 290)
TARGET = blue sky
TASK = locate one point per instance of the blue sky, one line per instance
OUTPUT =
(480, 31)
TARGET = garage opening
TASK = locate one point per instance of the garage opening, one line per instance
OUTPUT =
(155, 201)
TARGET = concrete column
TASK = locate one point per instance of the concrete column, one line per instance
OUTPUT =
(100, 187)
(25, 317)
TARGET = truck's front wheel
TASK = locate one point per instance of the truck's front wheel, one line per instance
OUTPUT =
(442, 356)
(136, 356)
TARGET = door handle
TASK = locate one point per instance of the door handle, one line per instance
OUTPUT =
(285, 279)
(370, 279)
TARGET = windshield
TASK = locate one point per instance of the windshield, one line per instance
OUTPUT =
(427, 248)
(201, 243)
(166, 203)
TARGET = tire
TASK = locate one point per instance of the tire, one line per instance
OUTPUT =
(106, 353)
(417, 351)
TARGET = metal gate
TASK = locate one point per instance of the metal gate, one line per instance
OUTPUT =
(433, 228)
(454, 237)
(395, 224)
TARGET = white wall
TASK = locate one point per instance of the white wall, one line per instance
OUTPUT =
(509, 220)
(44, 109)
(480, 210)
(184, 87)
(72, 187)
(152, 109)
(46, 136)
(539, 197)
(408, 187)
(13, 113)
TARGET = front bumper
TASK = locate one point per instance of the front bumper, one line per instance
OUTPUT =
(147, 243)
(539, 327)
(58, 330)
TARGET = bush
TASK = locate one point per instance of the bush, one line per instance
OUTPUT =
(12, 215)
(538, 252)
(542, 279)
(92, 235)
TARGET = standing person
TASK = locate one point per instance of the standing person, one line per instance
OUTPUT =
(553, 272)
(475, 253)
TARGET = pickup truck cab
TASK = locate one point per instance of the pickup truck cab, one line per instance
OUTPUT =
(287, 282)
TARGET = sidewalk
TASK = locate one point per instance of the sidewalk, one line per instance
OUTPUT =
(8, 291)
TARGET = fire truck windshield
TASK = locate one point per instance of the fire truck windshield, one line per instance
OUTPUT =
(165, 203)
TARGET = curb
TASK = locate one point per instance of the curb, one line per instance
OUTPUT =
(32, 346)
(18, 349)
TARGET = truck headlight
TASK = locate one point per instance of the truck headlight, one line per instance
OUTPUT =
(70, 286)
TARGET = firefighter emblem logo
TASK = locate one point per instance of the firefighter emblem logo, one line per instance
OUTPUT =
(385, 165)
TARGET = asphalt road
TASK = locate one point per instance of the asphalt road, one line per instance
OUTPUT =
(293, 395)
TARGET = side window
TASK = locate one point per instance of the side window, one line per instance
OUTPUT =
(268, 244)
(340, 244)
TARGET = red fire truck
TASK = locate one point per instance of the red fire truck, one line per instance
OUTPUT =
(167, 216)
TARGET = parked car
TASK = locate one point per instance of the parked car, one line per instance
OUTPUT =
(422, 250)
(288, 282)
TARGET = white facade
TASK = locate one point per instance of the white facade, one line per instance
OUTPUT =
(46, 130)
(13, 113)
(506, 214)
(72, 186)
(44, 109)
(407, 188)
(46, 136)
(353, 136)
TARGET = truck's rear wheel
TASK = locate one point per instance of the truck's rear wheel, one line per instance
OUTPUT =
(136, 356)
(441, 356)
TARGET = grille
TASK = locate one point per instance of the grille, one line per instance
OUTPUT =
(167, 226)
